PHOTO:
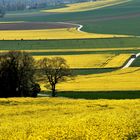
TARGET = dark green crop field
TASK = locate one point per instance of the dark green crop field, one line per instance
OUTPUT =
(71, 44)
(136, 63)
(100, 94)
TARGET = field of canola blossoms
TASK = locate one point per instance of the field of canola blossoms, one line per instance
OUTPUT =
(119, 80)
(85, 6)
(65, 33)
(61, 118)
(92, 60)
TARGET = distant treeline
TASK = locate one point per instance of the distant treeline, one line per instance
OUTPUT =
(11, 5)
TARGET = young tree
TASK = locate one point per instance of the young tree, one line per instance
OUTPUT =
(56, 71)
(17, 75)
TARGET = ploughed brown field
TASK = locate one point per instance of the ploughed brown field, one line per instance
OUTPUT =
(33, 26)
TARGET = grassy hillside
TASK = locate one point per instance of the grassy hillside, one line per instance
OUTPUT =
(59, 118)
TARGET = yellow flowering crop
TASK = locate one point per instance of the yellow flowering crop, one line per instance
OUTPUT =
(61, 119)
(85, 6)
(64, 33)
(126, 79)
(117, 61)
(93, 60)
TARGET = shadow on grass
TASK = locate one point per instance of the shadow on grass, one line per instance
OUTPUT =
(87, 71)
(100, 94)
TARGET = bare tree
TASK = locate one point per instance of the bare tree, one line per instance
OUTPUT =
(56, 71)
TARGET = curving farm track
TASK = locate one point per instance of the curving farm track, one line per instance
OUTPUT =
(131, 60)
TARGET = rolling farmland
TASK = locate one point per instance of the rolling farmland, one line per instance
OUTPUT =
(44, 31)
(82, 50)
(97, 39)
(117, 19)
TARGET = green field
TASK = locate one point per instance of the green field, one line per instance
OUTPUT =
(101, 94)
(92, 71)
(119, 19)
(136, 63)
(71, 44)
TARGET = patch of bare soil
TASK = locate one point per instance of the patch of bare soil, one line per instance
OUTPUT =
(33, 26)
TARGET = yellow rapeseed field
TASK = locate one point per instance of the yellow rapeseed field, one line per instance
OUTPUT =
(85, 6)
(64, 33)
(117, 61)
(93, 60)
(125, 79)
(61, 119)
(76, 50)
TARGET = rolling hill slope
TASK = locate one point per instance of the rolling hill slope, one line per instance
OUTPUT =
(118, 19)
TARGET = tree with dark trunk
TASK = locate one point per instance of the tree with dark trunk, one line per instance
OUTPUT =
(17, 75)
(56, 70)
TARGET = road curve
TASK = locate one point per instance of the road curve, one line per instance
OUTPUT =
(79, 26)
(132, 59)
